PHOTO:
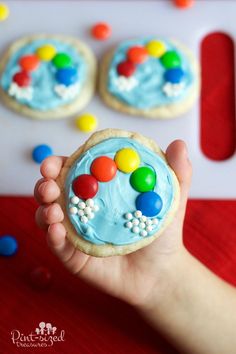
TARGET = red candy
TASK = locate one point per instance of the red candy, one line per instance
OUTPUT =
(29, 62)
(126, 68)
(22, 79)
(40, 278)
(137, 55)
(85, 186)
(101, 31)
(183, 4)
(103, 169)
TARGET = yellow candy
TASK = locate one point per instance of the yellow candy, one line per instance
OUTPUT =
(86, 122)
(4, 12)
(156, 48)
(46, 52)
(127, 160)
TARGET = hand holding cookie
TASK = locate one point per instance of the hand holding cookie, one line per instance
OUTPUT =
(122, 276)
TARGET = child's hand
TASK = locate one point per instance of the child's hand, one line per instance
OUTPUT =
(133, 277)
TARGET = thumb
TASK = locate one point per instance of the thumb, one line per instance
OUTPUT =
(177, 157)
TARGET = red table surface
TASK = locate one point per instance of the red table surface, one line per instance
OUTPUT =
(94, 322)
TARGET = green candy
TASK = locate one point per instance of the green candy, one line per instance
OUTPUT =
(143, 179)
(62, 60)
(171, 60)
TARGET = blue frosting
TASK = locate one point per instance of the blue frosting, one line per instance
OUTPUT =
(43, 79)
(117, 197)
(150, 76)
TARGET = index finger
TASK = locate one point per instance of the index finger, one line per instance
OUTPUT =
(51, 166)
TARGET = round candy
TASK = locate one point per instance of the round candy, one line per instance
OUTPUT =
(171, 59)
(103, 168)
(22, 79)
(143, 179)
(126, 68)
(40, 278)
(85, 186)
(40, 153)
(127, 160)
(150, 203)
(8, 245)
(4, 12)
(156, 48)
(29, 62)
(67, 76)
(46, 52)
(137, 55)
(183, 4)
(86, 122)
(175, 75)
(62, 60)
(101, 31)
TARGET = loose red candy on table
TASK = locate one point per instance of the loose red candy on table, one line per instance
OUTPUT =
(137, 55)
(22, 79)
(183, 4)
(101, 31)
(103, 169)
(126, 68)
(85, 186)
(40, 278)
(29, 62)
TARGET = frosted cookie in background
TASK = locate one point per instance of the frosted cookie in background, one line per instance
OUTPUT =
(150, 77)
(47, 76)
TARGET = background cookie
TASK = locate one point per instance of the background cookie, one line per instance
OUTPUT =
(117, 193)
(47, 76)
(149, 77)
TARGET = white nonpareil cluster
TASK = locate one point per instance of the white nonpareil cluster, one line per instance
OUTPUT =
(84, 209)
(126, 83)
(67, 92)
(20, 92)
(140, 224)
(173, 90)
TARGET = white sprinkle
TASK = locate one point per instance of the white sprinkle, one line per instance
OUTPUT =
(84, 219)
(74, 200)
(87, 210)
(135, 222)
(80, 212)
(129, 224)
(135, 229)
(81, 205)
(155, 221)
(90, 216)
(149, 228)
(95, 208)
(73, 210)
(128, 216)
(142, 225)
(143, 233)
(148, 222)
(90, 202)
(138, 214)
(143, 218)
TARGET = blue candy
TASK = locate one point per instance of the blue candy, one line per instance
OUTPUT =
(150, 203)
(8, 245)
(67, 76)
(175, 75)
(40, 153)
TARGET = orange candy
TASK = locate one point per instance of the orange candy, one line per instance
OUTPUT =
(29, 62)
(137, 55)
(183, 4)
(101, 31)
(103, 169)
